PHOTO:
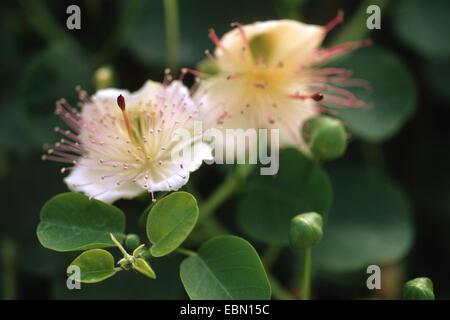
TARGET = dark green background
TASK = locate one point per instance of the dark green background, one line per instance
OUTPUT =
(404, 153)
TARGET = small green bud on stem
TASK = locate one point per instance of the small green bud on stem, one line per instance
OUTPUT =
(326, 137)
(418, 289)
(104, 77)
(132, 241)
(305, 230)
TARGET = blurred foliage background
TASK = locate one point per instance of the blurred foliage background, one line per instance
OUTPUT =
(390, 192)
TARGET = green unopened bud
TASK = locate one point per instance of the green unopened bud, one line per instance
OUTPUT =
(104, 77)
(132, 241)
(144, 253)
(418, 289)
(326, 137)
(305, 230)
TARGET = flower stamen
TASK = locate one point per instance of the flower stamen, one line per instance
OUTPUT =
(333, 23)
(315, 96)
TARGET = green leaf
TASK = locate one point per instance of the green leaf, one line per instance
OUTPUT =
(370, 222)
(422, 24)
(70, 222)
(95, 265)
(143, 267)
(392, 101)
(266, 209)
(225, 268)
(170, 221)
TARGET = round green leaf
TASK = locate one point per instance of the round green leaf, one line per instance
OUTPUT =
(143, 267)
(70, 222)
(392, 100)
(225, 268)
(422, 24)
(170, 221)
(95, 265)
(370, 222)
(266, 209)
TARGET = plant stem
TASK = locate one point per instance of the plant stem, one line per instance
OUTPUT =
(8, 254)
(278, 291)
(268, 259)
(43, 23)
(208, 229)
(129, 16)
(306, 283)
(172, 33)
(186, 252)
(225, 190)
(290, 9)
(214, 227)
(270, 255)
(219, 196)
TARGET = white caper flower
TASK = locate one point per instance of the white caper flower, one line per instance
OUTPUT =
(271, 76)
(122, 144)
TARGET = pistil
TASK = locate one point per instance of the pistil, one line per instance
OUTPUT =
(121, 104)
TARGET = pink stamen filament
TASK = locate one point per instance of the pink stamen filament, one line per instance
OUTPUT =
(333, 23)
(242, 32)
(196, 73)
(215, 39)
(315, 96)
(210, 56)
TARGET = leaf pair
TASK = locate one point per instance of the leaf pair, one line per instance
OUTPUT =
(96, 265)
(225, 267)
(72, 222)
